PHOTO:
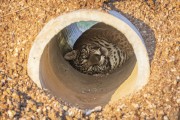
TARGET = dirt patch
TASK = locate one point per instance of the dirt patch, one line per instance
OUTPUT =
(20, 22)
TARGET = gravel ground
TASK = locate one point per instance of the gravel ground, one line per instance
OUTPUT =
(20, 98)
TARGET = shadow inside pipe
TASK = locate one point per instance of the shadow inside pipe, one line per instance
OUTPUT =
(146, 32)
(78, 89)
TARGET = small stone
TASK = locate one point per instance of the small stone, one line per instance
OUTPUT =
(9, 102)
(33, 117)
(48, 108)
(34, 108)
(121, 106)
(3, 106)
(5, 93)
(178, 101)
(145, 95)
(92, 116)
(71, 112)
(15, 96)
(30, 102)
(65, 108)
(60, 113)
(172, 58)
(165, 118)
(39, 110)
(173, 69)
(3, 81)
(178, 78)
(135, 117)
(8, 78)
(96, 109)
(44, 110)
(39, 104)
(136, 106)
(8, 90)
(11, 113)
(52, 115)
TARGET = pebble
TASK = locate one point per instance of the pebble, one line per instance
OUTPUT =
(15, 96)
(121, 106)
(52, 115)
(137, 106)
(172, 58)
(8, 78)
(178, 78)
(11, 113)
(65, 108)
(33, 107)
(3, 106)
(96, 109)
(39, 110)
(165, 118)
(178, 101)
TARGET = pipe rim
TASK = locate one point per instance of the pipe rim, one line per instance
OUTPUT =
(55, 25)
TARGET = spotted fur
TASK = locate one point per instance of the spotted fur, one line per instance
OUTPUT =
(96, 56)
(99, 50)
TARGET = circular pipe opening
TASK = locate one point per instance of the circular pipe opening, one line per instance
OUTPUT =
(48, 68)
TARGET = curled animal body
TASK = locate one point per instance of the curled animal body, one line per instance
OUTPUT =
(99, 50)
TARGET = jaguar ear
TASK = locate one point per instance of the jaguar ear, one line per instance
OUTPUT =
(70, 55)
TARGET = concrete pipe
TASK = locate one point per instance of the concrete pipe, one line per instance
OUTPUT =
(48, 68)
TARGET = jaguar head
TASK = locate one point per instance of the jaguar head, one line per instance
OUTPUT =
(88, 56)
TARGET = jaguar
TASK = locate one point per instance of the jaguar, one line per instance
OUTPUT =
(96, 55)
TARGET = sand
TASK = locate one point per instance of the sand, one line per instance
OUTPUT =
(20, 98)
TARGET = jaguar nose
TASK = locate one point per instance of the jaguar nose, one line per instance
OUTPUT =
(94, 59)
